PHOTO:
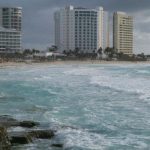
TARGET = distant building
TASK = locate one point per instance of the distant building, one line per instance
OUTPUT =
(10, 29)
(123, 33)
(9, 40)
(82, 28)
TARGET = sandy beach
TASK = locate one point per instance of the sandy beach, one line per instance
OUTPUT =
(15, 64)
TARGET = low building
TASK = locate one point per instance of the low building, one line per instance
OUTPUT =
(49, 54)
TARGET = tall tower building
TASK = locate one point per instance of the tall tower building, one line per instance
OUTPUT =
(10, 29)
(82, 28)
(123, 33)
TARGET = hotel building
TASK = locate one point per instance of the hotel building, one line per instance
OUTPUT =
(10, 29)
(123, 33)
(82, 28)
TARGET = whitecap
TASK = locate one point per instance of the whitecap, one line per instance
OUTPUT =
(82, 139)
(83, 71)
(143, 71)
(129, 84)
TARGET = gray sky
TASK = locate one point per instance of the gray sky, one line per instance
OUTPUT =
(38, 23)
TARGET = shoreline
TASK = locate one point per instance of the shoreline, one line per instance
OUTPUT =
(71, 62)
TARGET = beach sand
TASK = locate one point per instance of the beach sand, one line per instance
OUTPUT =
(78, 62)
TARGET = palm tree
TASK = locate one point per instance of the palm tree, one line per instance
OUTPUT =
(109, 52)
(99, 53)
(76, 51)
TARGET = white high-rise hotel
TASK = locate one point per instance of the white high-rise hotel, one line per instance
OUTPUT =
(10, 29)
(83, 28)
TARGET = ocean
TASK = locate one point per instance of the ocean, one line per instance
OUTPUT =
(101, 106)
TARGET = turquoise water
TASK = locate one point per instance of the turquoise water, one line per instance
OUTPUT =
(106, 107)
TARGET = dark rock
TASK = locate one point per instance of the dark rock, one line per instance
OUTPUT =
(4, 140)
(42, 134)
(20, 138)
(25, 137)
(7, 121)
(28, 124)
(57, 145)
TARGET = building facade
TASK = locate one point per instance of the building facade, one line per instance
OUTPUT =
(82, 28)
(10, 29)
(9, 40)
(123, 33)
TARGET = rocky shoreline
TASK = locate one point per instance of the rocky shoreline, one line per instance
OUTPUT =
(31, 132)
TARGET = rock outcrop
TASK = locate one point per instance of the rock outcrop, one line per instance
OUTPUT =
(20, 138)
(41, 134)
(28, 124)
(7, 121)
(4, 140)
(29, 133)
(57, 145)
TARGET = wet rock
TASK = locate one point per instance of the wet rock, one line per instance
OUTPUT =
(7, 121)
(4, 140)
(42, 134)
(57, 145)
(28, 124)
(20, 138)
(26, 137)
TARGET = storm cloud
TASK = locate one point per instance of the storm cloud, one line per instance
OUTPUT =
(38, 22)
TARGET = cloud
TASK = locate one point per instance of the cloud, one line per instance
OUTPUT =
(38, 23)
